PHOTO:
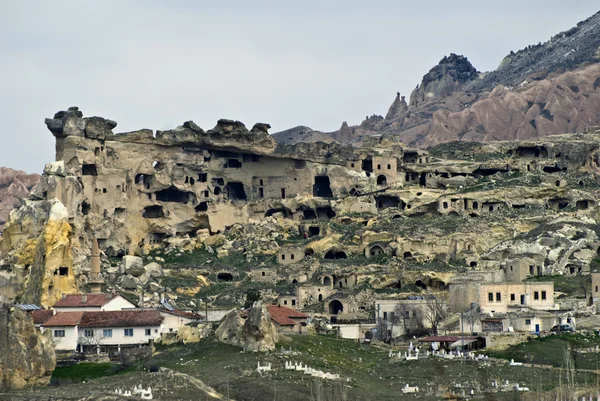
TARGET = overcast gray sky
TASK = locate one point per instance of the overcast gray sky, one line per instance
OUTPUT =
(155, 64)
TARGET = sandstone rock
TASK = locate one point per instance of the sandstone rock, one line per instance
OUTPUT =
(256, 333)
(129, 282)
(133, 265)
(26, 356)
(154, 270)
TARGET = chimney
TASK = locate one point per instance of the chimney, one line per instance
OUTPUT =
(83, 298)
(64, 296)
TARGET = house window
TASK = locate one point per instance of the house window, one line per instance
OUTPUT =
(261, 193)
(352, 165)
(379, 167)
(512, 297)
(389, 166)
(596, 288)
(498, 297)
(128, 332)
(491, 296)
(107, 333)
(285, 302)
(543, 294)
(59, 333)
(148, 332)
(527, 322)
(263, 274)
(392, 316)
(155, 331)
(384, 315)
(407, 314)
(536, 295)
(282, 257)
(292, 256)
(293, 302)
(88, 333)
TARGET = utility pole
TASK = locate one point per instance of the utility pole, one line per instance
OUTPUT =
(462, 333)
(379, 321)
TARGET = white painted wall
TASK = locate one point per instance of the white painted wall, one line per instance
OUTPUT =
(118, 335)
(353, 331)
(66, 343)
(172, 323)
(118, 303)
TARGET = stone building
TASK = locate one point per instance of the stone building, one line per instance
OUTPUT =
(288, 255)
(503, 297)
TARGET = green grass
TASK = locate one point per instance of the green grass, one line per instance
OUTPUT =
(574, 286)
(87, 371)
(550, 350)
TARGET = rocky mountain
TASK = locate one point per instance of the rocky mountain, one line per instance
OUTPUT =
(543, 89)
(14, 185)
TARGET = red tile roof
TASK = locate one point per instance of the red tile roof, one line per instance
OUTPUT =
(122, 318)
(64, 319)
(77, 300)
(41, 315)
(282, 315)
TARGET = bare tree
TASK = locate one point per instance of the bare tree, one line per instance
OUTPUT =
(434, 312)
(410, 316)
(90, 339)
(470, 317)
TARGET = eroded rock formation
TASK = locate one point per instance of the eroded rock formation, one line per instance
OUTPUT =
(14, 185)
(26, 356)
(254, 333)
(545, 89)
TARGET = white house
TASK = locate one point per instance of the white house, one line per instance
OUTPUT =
(104, 328)
(92, 302)
(175, 319)
(65, 331)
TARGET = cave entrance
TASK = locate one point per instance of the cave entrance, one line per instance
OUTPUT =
(235, 191)
(153, 212)
(335, 255)
(285, 211)
(367, 165)
(202, 207)
(386, 201)
(376, 250)
(313, 231)
(85, 208)
(89, 169)
(309, 214)
(174, 195)
(325, 212)
(233, 163)
(225, 277)
(322, 187)
(582, 204)
(327, 280)
(335, 307)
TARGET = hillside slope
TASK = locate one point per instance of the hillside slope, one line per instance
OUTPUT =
(13, 185)
(541, 90)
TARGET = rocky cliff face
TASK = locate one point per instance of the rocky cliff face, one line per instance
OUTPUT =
(26, 356)
(255, 333)
(449, 76)
(541, 90)
(14, 185)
